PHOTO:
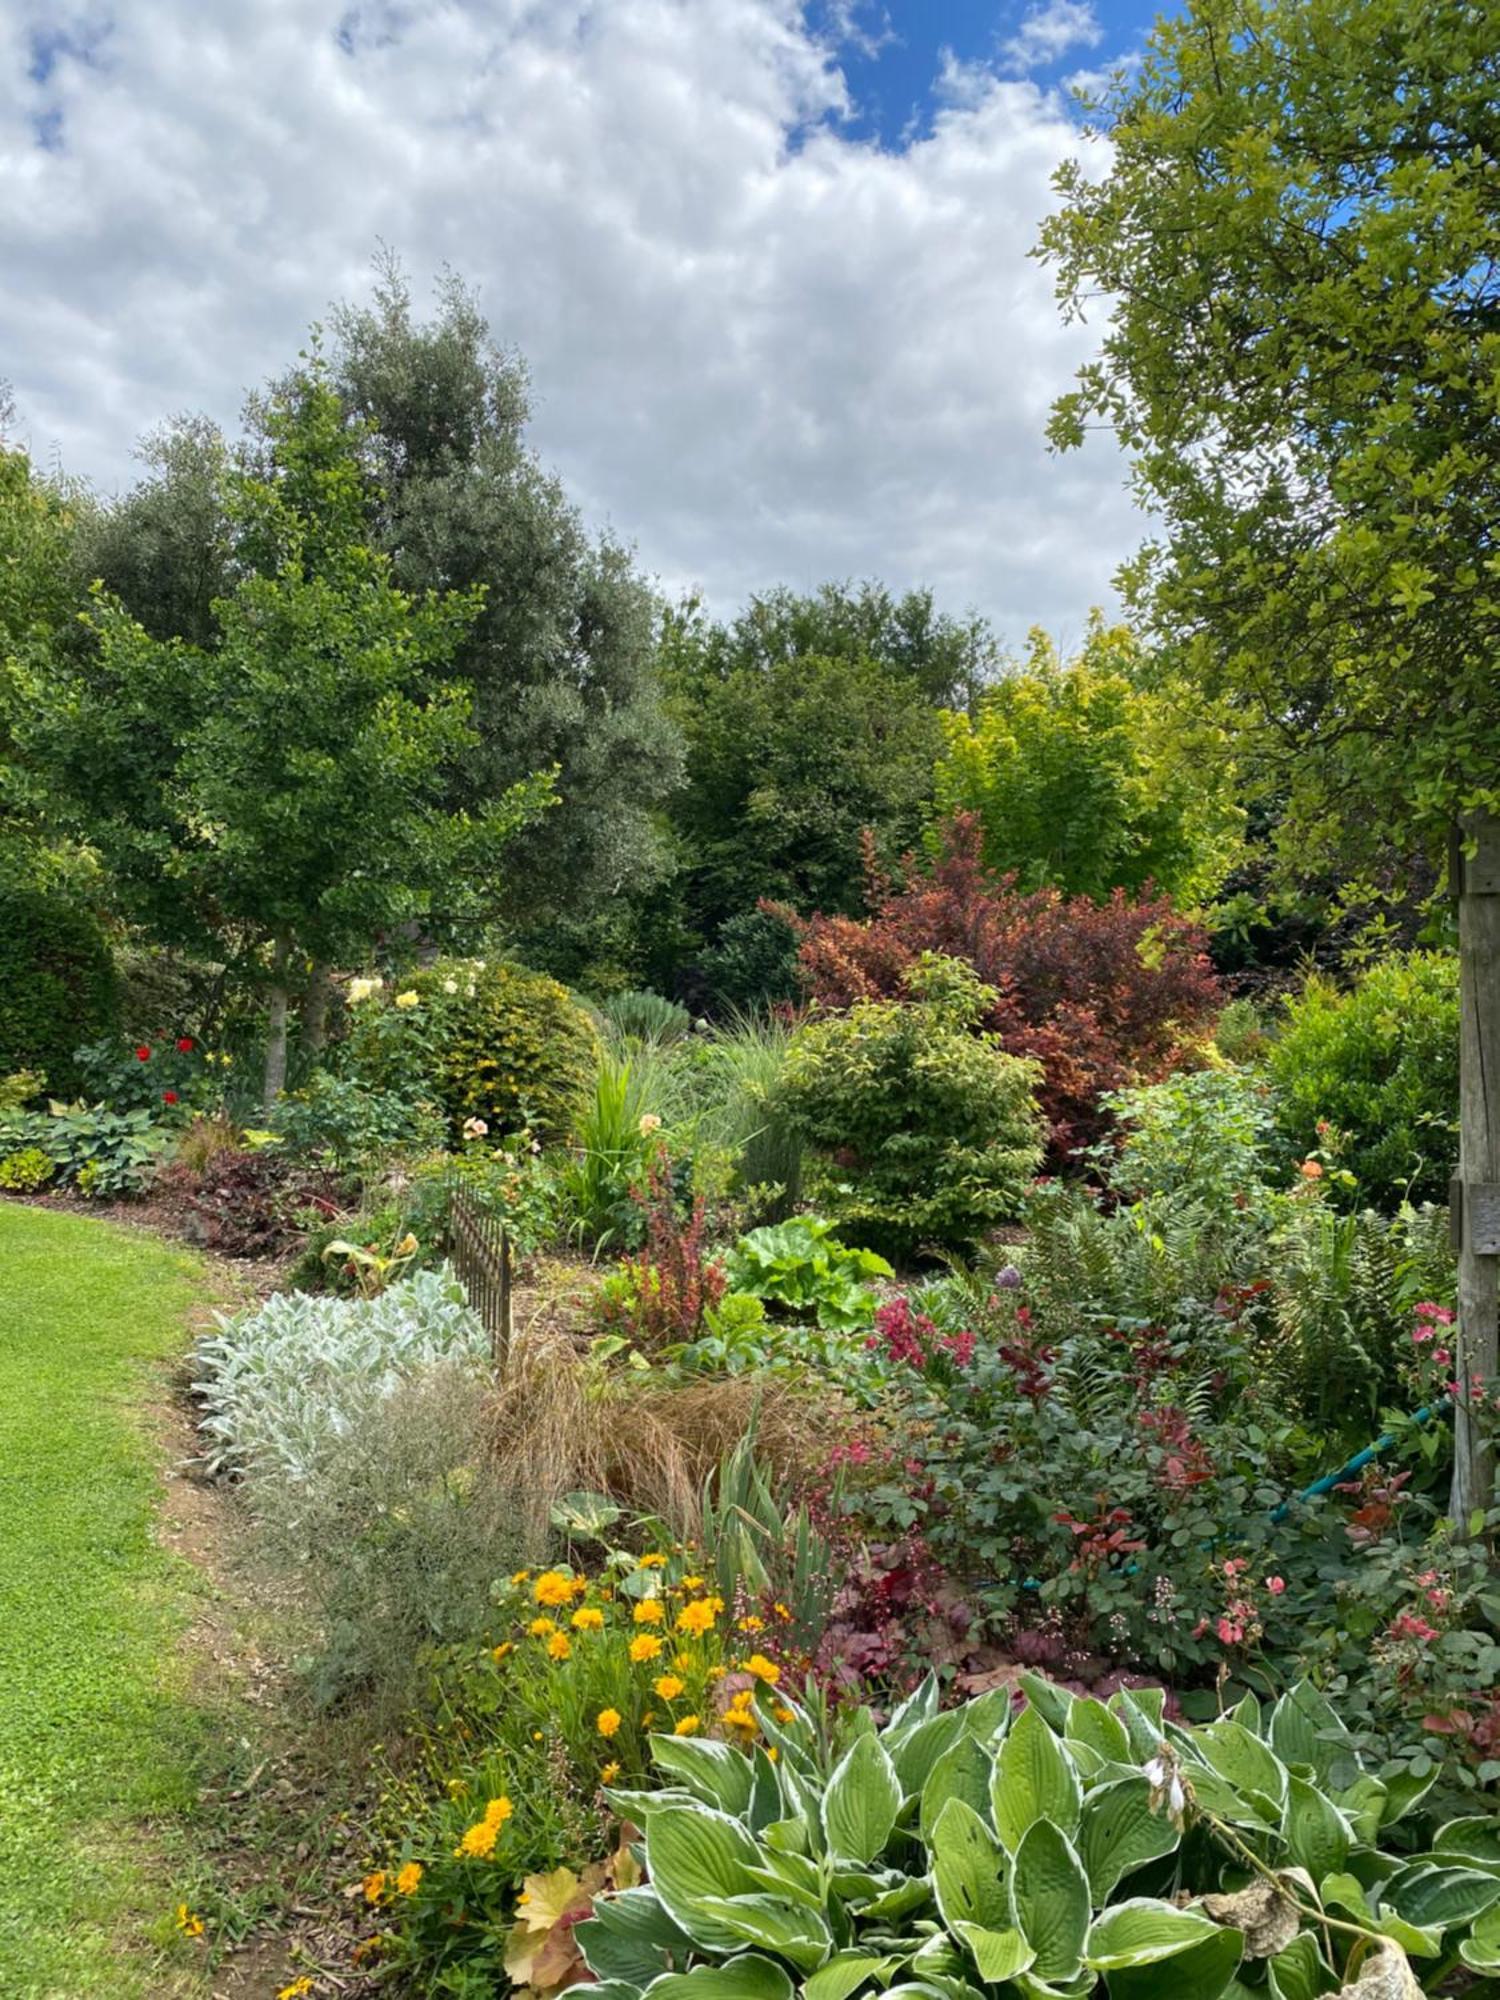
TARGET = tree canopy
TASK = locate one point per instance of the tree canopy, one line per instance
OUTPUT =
(1297, 237)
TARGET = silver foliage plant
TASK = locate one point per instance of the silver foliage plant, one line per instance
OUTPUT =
(282, 1386)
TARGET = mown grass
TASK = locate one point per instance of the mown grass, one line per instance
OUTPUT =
(97, 1731)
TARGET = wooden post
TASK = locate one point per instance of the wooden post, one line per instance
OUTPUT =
(1477, 1191)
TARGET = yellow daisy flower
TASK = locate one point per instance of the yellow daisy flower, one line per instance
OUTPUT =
(689, 1726)
(669, 1687)
(559, 1647)
(589, 1619)
(645, 1646)
(649, 1611)
(409, 1878)
(607, 1722)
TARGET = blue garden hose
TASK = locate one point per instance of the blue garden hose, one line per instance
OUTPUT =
(1360, 1459)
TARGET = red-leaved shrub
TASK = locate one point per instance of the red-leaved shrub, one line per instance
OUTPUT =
(1103, 994)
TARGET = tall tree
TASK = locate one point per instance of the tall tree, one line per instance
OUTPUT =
(279, 795)
(561, 658)
(1300, 235)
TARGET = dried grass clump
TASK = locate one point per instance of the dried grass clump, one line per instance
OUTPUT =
(561, 1423)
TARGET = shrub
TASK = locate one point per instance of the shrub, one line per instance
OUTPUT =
(57, 984)
(342, 1124)
(25, 1171)
(645, 1017)
(1079, 1847)
(1202, 1134)
(1378, 1063)
(660, 1296)
(753, 963)
(99, 1152)
(491, 1041)
(247, 1204)
(801, 1266)
(1101, 994)
(928, 1131)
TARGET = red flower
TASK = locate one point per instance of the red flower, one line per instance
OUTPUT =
(143, 1054)
(184, 1045)
(169, 1097)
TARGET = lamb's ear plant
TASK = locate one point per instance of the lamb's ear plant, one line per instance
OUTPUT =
(1075, 1849)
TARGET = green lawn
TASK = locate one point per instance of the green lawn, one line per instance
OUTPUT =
(95, 1729)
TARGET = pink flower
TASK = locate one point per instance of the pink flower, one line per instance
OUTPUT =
(1428, 1309)
(1276, 1585)
(1409, 1626)
(1229, 1633)
(1441, 1356)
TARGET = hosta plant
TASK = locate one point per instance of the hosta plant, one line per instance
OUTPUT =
(1074, 1849)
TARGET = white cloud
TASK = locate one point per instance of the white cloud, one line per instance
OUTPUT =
(761, 350)
(1048, 32)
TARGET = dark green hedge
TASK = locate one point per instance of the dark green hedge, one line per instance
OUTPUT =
(57, 984)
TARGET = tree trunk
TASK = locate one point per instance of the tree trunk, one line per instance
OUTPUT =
(1476, 1194)
(275, 1079)
(312, 1013)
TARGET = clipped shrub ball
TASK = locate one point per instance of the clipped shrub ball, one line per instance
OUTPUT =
(1377, 1063)
(489, 1040)
(57, 984)
(927, 1132)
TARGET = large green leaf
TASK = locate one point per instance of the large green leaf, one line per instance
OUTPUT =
(799, 1935)
(844, 1974)
(1481, 1948)
(1054, 1702)
(1255, 1771)
(694, 1854)
(1306, 1730)
(968, 1869)
(1433, 1896)
(921, 1705)
(1049, 1901)
(862, 1801)
(962, 1772)
(999, 1955)
(1090, 1722)
(1119, 1832)
(1141, 1931)
(1475, 1839)
(1202, 1972)
(1317, 1835)
(1033, 1780)
(749, 1977)
(631, 1936)
(1300, 1972)
(717, 1773)
(792, 1876)
(918, 1750)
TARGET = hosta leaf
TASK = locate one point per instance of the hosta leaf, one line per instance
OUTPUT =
(1119, 1832)
(1049, 1901)
(1033, 1780)
(792, 1876)
(1304, 1729)
(962, 1772)
(906, 1894)
(1475, 1840)
(968, 1869)
(1054, 1702)
(1140, 1932)
(915, 1755)
(1299, 1972)
(844, 1974)
(630, 1936)
(862, 1801)
(694, 1854)
(748, 1977)
(799, 1935)
(1202, 1972)
(1404, 1793)
(999, 1955)
(1433, 1896)
(1090, 1722)
(714, 1772)
(1255, 1771)
(1317, 1835)
(1481, 1948)
(921, 1705)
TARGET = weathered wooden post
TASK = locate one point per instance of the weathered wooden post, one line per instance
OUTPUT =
(1476, 1192)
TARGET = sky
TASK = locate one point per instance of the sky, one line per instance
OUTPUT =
(766, 259)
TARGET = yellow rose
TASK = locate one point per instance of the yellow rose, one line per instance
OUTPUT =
(408, 999)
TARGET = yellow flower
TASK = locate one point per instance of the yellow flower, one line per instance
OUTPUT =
(669, 1687)
(649, 1123)
(697, 1618)
(538, 1736)
(374, 1886)
(683, 1662)
(296, 1990)
(648, 1718)
(558, 1647)
(610, 1772)
(409, 999)
(361, 989)
(652, 1562)
(478, 1842)
(589, 1619)
(408, 1246)
(498, 1811)
(501, 1651)
(781, 1611)
(648, 1611)
(553, 1588)
(751, 1624)
(580, 1586)
(521, 1576)
(773, 1753)
(691, 1583)
(717, 1673)
(608, 1721)
(783, 1714)
(645, 1646)
(542, 1628)
(689, 1726)
(408, 1879)
(762, 1668)
(189, 1924)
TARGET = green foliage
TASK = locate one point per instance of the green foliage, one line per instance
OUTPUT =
(1201, 1134)
(1377, 1063)
(928, 1131)
(616, 1141)
(645, 1017)
(26, 1170)
(57, 983)
(100, 1152)
(753, 961)
(1299, 358)
(491, 1041)
(1094, 1847)
(1241, 1036)
(341, 1124)
(1082, 780)
(801, 1266)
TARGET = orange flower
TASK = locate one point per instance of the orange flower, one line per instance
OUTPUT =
(498, 1811)
(558, 1647)
(374, 1886)
(409, 1878)
(669, 1687)
(607, 1721)
(762, 1668)
(1310, 1170)
(649, 1611)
